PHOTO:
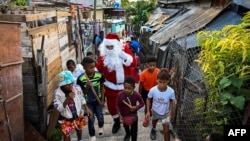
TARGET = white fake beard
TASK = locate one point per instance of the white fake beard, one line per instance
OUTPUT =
(112, 60)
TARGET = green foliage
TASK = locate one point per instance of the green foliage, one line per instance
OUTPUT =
(140, 12)
(106, 16)
(56, 135)
(199, 105)
(19, 3)
(125, 3)
(225, 62)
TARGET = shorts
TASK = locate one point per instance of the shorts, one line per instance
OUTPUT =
(164, 119)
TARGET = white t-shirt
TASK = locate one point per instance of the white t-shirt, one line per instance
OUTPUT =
(78, 71)
(161, 100)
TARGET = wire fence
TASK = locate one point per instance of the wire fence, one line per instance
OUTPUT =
(191, 122)
(187, 82)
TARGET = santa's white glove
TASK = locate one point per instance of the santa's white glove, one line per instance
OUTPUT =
(123, 55)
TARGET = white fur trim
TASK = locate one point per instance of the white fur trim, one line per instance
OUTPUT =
(128, 61)
(119, 73)
(113, 86)
(115, 116)
(110, 42)
(117, 46)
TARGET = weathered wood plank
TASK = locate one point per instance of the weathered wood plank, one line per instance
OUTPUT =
(62, 28)
(53, 68)
(39, 16)
(12, 18)
(51, 87)
(62, 14)
(43, 30)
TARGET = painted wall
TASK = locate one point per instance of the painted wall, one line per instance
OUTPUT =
(118, 27)
(99, 14)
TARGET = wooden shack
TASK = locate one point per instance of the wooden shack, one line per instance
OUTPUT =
(49, 37)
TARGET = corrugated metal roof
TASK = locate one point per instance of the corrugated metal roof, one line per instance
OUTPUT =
(187, 23)
(174, 1)
(159, 16)
(227, 17)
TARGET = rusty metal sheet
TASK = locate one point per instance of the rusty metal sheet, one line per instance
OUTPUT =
(11, 85)
(191, 21)
(10, 43)
(11, 119)
(11, 81)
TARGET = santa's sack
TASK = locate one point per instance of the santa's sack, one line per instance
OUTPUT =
(130, 119)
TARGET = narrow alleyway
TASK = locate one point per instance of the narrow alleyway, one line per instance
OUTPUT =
(143, 133)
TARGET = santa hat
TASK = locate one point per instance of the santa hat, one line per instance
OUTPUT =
(111, 39)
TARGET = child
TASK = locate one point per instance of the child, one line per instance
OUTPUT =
(127, 108)
(90, 54)
(76, 70)
(148, 78)
(68, 100)
(162, 105)
(91, 83)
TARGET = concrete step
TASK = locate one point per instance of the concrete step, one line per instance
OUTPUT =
(143, 133)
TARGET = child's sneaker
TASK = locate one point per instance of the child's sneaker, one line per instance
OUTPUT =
(145, 122)
(93, 138)
(153, 134)
(101, 131)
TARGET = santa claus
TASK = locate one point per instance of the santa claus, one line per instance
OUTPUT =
(115, 62)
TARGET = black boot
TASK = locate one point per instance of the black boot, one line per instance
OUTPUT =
(127, 136)
(116, 125)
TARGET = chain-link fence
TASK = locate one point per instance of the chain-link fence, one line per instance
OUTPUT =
(191, 122)
(188, 88)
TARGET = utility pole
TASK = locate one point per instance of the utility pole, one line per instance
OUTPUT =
(94, 17)
(94, 20)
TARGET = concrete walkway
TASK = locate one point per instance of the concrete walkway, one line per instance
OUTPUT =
(143, 133)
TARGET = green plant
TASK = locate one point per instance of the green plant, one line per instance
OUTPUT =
(225, 62)
(56, 135)
(19, 3)
(139, 12)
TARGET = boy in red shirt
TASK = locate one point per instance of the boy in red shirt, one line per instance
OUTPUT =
(127, 108)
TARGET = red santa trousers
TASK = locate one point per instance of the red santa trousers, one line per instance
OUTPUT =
(111, 96)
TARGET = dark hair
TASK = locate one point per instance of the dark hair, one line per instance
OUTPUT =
(151, 59)
(163, 74)
(87, 60)
(89, 53)
(216, 137)
(70, 62)
(101, 32)
(130, 80)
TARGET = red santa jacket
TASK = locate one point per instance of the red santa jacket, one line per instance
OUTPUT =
(114, 79)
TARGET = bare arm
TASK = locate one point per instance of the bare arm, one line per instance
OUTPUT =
(102, 94)
(86, 108)
(140, 87)
(70, 96)
(170, 108)
(148, 107)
